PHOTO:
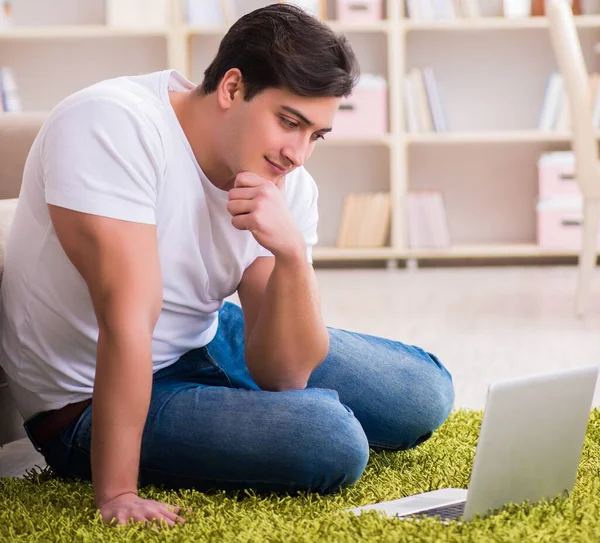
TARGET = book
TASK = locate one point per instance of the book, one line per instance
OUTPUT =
(470, 9)
(538, 7)
(365, 220)
(381, 227)
(317, 8)
(413, 10)
(229, 9)
(137, 13)
(435, 101)
(410, 107)
(443, 10)
(552, 98)
(595, 96)
(426, 8)
(11, 100)
(6, 14)
(423, 111)
(2, 102)
(423, 106)
(205, 13)
(556, 111)
(427, 221)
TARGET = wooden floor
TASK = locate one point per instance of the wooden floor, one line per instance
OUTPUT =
(483, 323)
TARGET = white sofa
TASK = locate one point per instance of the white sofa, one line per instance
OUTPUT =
(17, 132)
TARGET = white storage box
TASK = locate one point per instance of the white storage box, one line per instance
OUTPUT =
(559, 223)
(556, 175)
(359, 11)
(364, 113)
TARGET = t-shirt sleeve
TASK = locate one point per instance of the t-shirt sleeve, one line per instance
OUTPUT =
(302, 197)
(104, 158)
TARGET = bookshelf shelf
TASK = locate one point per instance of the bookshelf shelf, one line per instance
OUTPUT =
(481, 137)
(492, 76)
(385, 140)
(489, 251)
(481, 252)
(77, 32)
(375, 27)
(335, 254)
(191, 31)
(493, 23)
(379, 26)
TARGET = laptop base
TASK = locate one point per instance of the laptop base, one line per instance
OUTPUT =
(448, 503)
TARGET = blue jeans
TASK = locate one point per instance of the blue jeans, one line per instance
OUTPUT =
(210, 426)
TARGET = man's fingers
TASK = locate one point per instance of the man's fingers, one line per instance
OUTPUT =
(147, 512)
(241, 222)
(172, 515)
(247, 179)
(239, 207)
(244, 193)
(173, 508)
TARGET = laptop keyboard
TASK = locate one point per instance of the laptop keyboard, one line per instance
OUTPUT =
(452, 512)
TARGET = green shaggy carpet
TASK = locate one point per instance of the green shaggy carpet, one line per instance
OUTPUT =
(43, 508)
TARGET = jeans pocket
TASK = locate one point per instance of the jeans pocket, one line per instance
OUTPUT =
(69, 453)
(213, 374)
(79, 433)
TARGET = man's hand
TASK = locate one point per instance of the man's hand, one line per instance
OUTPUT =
(130, 507)
(259, 205)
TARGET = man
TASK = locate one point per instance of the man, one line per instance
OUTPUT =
(146, 201)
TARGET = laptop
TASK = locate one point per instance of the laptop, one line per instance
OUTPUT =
(529, 448)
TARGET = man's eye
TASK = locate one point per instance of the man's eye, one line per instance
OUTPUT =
(288, 123)
(318, 137)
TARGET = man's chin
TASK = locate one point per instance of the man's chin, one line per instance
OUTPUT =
(273, 177)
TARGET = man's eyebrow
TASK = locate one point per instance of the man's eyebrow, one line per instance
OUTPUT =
(303, 118)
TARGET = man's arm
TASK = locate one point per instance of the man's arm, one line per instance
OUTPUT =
(286, 338)
(119, 262)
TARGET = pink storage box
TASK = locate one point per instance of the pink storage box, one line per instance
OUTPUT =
(359, 11)
(559, 224)
(364, 113)
(556, 175)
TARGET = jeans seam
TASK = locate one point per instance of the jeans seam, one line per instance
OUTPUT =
(216, 365)
(150, 421)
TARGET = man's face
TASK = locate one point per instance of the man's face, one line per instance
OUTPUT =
(275, 132)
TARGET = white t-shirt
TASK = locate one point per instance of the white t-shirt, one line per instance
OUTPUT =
(116, 149)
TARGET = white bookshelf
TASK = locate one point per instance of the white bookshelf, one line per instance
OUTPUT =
(491, 72)
(76, 32)
(489, 136)
(494, 23)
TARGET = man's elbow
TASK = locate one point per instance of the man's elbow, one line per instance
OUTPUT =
(282, 385)
(286, 377)
(295, 377)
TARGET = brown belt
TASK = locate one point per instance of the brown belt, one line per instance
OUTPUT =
(48, 425)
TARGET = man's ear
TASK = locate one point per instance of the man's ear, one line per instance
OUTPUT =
(230, 88)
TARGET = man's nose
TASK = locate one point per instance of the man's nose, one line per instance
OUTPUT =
(297, 153)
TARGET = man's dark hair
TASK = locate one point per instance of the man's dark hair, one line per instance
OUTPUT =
(285, 47)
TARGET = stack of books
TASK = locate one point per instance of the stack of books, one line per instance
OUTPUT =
(10, 101)
(423, 105)
(210, 12)
(555, 114)
(137, 13)
(365, 220)
(427, 221)
(225, 12)
(442, 10)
